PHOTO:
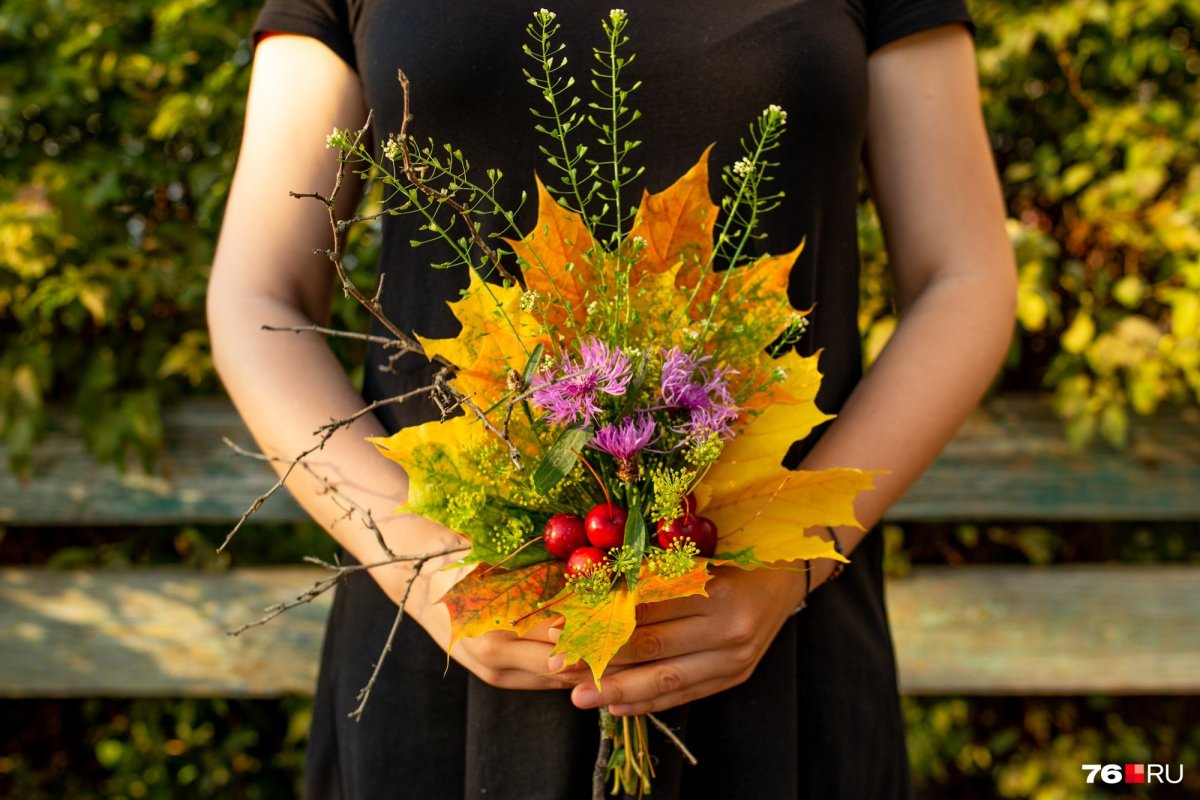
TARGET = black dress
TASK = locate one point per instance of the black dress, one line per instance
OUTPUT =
(820, 717)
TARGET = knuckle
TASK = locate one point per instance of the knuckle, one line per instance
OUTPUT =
(647, 646)
(667, 679)
(490, 675)
(744, 656)
(739, 630)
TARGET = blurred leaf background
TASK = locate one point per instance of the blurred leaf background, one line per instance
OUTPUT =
(119, 125)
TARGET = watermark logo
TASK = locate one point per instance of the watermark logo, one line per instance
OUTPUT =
(1134, 773)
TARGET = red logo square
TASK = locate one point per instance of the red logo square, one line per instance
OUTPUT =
(1135, 773)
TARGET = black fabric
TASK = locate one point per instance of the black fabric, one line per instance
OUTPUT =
(820, 717)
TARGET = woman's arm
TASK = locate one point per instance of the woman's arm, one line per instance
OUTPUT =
(287, 385)
(939, 199)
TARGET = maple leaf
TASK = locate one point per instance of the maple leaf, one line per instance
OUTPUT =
(762, 508)
(438, 458)
(654, 588)
(503, 600)
(556, 259)
(595, 631)
(677, 226)
(497, 335)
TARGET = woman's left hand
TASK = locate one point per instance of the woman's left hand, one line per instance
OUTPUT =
(692, 647)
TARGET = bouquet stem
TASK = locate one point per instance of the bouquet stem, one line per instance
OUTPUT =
(624, 754)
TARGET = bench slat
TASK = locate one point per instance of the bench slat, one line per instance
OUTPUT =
(1010, 462)
(967, 630)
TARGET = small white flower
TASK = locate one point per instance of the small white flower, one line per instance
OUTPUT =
(743, 167)
(775, 112)
(780, 374)
(529, 298)
(335, 139)
(616, 15)
(545, 15)
(593, 307)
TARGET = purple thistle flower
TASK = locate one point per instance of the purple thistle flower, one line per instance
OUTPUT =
(678, 391)
(609, 365)
(709, 405)
(569, 394)
(625, 439)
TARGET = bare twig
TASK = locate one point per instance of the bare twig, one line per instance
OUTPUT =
(365, 692)
(390, 344)
(415, 178)
(675, 740)
(334, 424)
(340, 573)
(334, 253)
(336, 493)
(325, 432)
(442, 385)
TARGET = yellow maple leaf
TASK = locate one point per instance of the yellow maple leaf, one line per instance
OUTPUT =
(497, 335)
(594, 632)
(756, 502)
(432, 450)
(763, 520)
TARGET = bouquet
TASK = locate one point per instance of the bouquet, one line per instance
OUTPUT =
(615, 417)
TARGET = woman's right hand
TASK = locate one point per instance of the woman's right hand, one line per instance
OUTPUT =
(270, 269)
(498, 658)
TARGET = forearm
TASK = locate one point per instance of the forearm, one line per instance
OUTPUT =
(286, 386)
(945, 351)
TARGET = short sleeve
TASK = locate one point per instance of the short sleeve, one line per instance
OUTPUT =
(327, 21)
(889, 20)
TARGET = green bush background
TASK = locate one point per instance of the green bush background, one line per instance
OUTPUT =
(119, 124)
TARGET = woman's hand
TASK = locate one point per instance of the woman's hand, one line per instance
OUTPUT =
(693, 647)
(498, 658)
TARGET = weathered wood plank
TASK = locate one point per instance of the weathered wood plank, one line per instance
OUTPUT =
(1058, 630)
(1010, 462)
(966, 630)
(155, 632)
(196, 479)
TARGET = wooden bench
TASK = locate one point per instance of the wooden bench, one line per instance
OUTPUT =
(959, 630)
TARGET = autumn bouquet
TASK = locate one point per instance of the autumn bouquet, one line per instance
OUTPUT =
(618, 414)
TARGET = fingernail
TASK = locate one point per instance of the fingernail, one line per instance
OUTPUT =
(586, 697)
(554, 634)
(556, 662)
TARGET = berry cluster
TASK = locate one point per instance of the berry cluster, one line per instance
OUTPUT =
(582, 541)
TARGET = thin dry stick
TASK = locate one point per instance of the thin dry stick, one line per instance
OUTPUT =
(675, 740)
(338, 495)
(441, 382)
(334, 253)
(418, 564)
(325, 431)
(464, 212)
(319, 588)
(389, 344)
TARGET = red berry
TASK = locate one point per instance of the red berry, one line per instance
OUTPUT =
(669, 530)
(706, 541)
(564, 534)
(584, 560)
(605, 525)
